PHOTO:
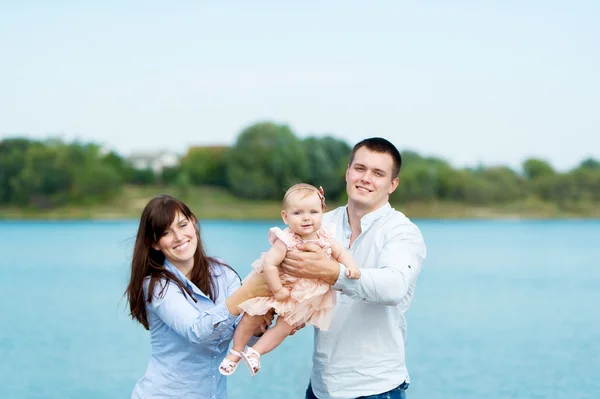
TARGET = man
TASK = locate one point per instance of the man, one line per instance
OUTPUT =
(362, 353)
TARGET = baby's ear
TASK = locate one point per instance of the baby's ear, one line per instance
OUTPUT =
(284, 217)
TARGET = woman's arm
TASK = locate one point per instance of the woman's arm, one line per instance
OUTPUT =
(271, 270)
(267, 319)
(173, 308)
(253, 287)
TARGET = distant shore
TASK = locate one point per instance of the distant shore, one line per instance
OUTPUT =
(217, 204)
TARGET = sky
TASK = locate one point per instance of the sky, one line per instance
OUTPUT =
(472, 82)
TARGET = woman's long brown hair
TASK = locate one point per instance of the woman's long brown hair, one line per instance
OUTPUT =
(157, 216)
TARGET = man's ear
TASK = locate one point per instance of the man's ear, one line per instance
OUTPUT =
(394, 186)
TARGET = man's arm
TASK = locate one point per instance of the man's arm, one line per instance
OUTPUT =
(399, 265)
(342, 255)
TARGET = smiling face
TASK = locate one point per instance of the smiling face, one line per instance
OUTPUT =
(179, 242)
(303, 213)
(370, 180)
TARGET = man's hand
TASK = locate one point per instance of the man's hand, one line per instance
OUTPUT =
(310, 262)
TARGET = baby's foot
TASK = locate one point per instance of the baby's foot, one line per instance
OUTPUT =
(252, 359)
(230, 363)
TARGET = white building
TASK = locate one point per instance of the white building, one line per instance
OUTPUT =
(156, 161)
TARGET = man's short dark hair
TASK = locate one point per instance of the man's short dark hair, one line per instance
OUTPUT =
(380, 145)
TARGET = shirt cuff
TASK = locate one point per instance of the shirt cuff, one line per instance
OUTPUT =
(342, 279)
(221, 319)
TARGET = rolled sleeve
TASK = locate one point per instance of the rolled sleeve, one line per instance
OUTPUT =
(398, 267)
(221, 319)
(182, 317)
(342, 281)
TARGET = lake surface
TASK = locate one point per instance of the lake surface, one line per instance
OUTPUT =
(503, 309)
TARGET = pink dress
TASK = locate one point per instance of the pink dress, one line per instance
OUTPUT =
(311, 301)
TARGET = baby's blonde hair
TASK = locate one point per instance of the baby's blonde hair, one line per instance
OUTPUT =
(306, 189)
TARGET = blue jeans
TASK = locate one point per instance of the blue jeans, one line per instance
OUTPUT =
(397, 393)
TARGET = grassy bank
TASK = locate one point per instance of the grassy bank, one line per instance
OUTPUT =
(214, 203)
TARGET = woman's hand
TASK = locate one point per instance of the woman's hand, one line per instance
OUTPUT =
(254, 287)
(257, 286)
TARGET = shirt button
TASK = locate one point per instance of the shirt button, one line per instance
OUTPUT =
(214, 377)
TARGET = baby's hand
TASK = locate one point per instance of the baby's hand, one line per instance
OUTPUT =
(282, 294)
(353, 273)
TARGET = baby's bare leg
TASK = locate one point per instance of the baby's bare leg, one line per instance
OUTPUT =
(243, 332)
(273, 337)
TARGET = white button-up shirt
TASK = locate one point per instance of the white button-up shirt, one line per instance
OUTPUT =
(362, 352)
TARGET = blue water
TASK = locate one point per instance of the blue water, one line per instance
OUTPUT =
(503, 309)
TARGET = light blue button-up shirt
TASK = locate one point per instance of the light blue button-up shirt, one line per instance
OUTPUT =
(362, 352)
(189, 339)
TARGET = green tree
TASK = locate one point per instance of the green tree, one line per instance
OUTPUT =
(13, 152)
(206, 165)
(418, 182)
(97, 182)
(94, 177)
(590, 163)
(420, 178)
(572, 190)
(45, 179)
(183, 184)
(452, 184)
(170, 175)
(505, 184)
(56, 173)
(143, 177)
(534, 168)
(327, 160)
(266, 159)
(119, 165)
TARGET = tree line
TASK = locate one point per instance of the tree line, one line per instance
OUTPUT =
(265, 160)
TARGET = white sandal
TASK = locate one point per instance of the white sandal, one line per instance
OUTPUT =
(253, 363)
(227, 367)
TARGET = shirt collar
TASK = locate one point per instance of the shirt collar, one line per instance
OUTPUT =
(367, 220)
(170, 267)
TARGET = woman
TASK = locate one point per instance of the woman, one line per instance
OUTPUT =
(187, 300)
